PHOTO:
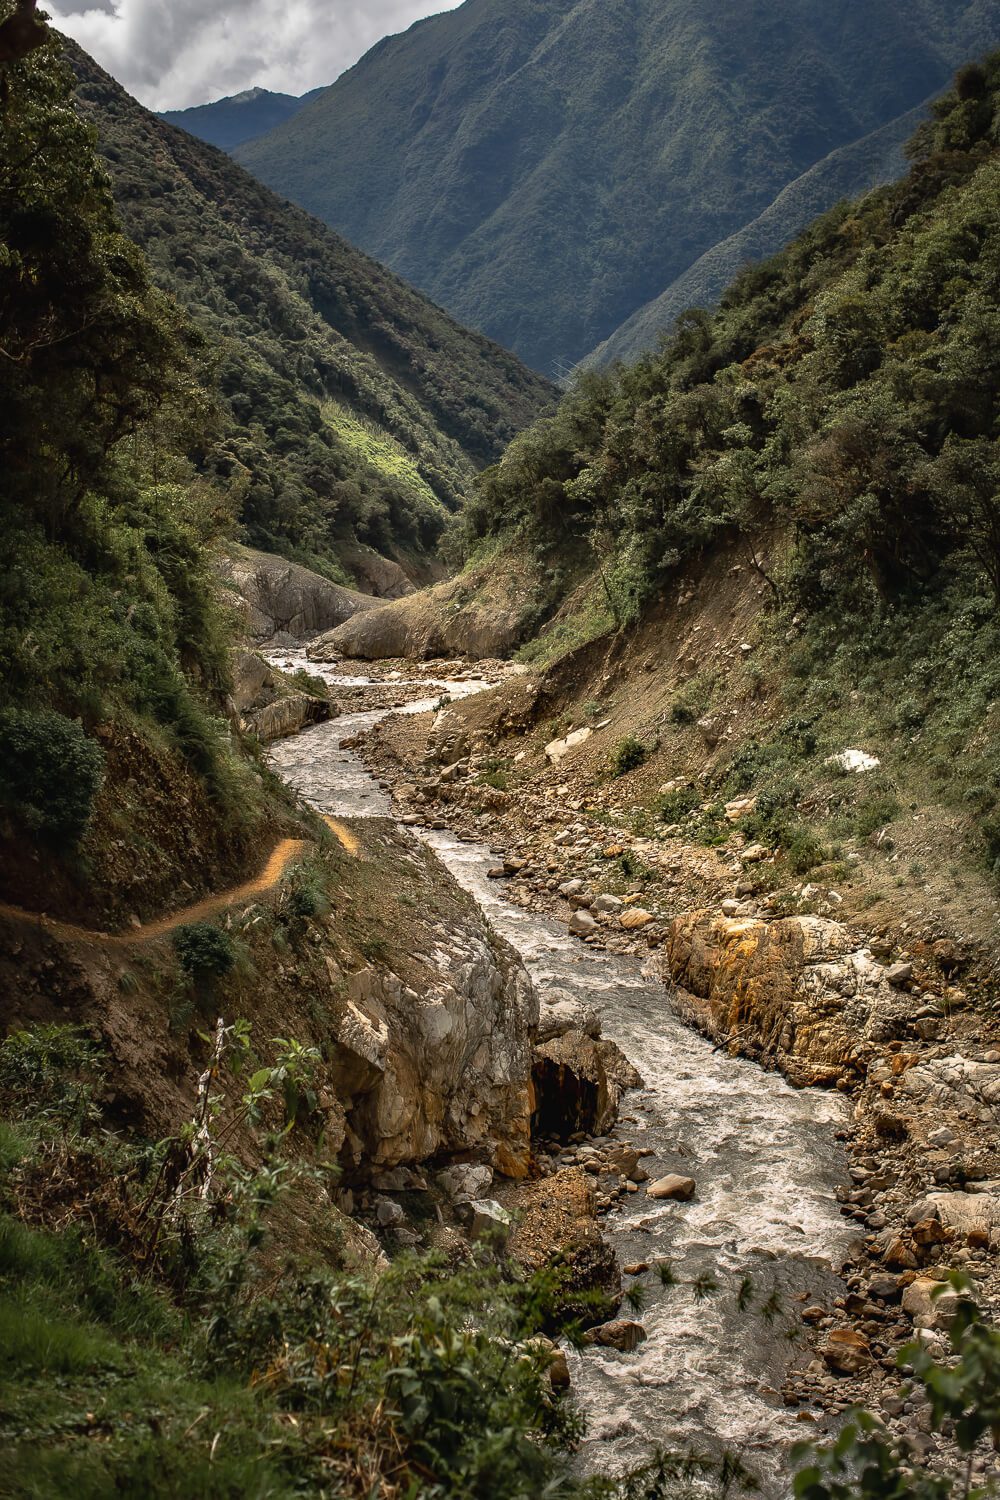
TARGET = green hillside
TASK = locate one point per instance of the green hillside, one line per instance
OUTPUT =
(295, 320)
(839, 415)
(544, 168)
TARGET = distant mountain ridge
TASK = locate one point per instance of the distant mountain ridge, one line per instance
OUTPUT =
(350, 408)
(231, 122)
(546, 168)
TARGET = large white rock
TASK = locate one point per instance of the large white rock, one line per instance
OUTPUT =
(465, 1181)
(557, 750)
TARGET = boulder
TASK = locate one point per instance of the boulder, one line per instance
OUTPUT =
(557, 750)
(436, 1063)
(582, 924)
(846, 1351)
(931, 1304)
(607, 906)
(635, 919)
(562, 1012)
(489, 1222)
(388, 1213)
(578, 1085)
(797, 992)
(278, 598)
(673, 1187)
(465, 1181)
(622, 1334)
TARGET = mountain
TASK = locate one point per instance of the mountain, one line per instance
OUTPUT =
(348, 407)
(544, 168)
(238, 118)
(847, 173)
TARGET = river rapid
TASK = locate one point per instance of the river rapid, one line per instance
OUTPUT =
(764, 1157)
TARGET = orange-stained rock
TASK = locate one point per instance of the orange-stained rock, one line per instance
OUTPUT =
(796, 992)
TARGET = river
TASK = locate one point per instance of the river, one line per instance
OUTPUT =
(764, 1157)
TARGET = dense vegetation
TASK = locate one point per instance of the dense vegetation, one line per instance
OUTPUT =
(544, 168)
(230, 122)
(348, 404)
(844, 397)
(106, 607)
(160, 1338)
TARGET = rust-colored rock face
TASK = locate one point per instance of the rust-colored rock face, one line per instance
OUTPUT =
(796, 993)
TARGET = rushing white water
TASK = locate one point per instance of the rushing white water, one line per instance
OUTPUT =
(763, 1155)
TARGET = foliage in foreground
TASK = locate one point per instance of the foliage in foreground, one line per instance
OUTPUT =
(156, 1343)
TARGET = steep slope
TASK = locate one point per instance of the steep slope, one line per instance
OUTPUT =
(543, 168)
(848, 173)
(823, 450)
(239, 118)
(351, 407)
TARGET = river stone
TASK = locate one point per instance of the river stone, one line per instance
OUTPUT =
(607, 906)
(489, 1221)
(622, 1335)
(846, 1351)
(582, 924)
(673, 1186)
(931, 1304)
(635, 919)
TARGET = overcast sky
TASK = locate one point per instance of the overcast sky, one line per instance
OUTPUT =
(172, 53)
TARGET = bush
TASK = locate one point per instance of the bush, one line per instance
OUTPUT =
(50, 773)
(673, 806)
(628, 755)
(804, 852)
(204, 951)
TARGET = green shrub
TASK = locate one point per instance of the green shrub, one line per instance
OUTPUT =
(50, 773)
(804, 852)
(628, 755)
(673, 806)
(204, 951)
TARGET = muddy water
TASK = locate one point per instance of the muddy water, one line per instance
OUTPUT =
(763, 1156)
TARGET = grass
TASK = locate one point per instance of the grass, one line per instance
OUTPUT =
(373, 446)
(568, 633)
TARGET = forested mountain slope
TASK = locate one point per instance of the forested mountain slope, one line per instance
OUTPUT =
(544, 168)
(349, 403)
(835, 427)
(232, 121)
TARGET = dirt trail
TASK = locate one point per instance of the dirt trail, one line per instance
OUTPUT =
(284, 855)
(343, 833)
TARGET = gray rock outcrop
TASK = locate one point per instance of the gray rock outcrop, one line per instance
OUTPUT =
(278, 599)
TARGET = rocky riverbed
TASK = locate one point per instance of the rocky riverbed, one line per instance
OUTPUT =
(646, 944)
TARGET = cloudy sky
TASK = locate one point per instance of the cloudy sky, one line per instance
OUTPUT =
(172, 53)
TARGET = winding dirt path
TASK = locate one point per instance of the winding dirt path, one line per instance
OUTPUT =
(343, 834)
(283, 856)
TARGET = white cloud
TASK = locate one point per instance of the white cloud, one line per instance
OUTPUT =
(172, 53)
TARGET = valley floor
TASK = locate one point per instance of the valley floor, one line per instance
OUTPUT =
(894, 1018)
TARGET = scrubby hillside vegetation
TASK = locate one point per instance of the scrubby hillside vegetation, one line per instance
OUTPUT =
(346, 405)
(832, 430)
(544, 168)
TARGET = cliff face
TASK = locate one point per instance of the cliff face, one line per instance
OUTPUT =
(422, 1014)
